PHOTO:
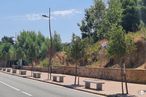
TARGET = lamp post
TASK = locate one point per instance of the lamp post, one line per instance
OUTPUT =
(50, 57)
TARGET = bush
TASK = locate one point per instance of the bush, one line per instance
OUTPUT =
(44, 62)
(130, 45)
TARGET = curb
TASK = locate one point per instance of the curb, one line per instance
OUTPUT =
(71, 87)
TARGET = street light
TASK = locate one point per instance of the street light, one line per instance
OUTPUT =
(50, 57)
(45, 16)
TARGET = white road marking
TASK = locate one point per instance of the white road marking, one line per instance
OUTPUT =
(26, 93)
(15, 88)
(10, 86)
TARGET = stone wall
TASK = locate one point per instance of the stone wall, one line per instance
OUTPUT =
(133, 75)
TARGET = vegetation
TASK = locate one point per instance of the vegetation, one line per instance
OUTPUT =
(116, 23)
(91, 24)
(29, 46)
(143, 11)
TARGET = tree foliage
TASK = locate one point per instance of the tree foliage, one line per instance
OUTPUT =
(7, 50)
(57, 43)
(99, 18)
(33, 46)
(76, 48)
(90, 25)
(113, 16)
(119, 43)
(131, 17)
(76, 53)
(117, 46)
(143, 11)
(130, 45)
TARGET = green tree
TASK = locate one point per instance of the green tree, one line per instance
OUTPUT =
(117, 46)
(44, 49)
(117, 49)
(130, 45)
(5, 47)
(131, 17)
(143, 11)
(34, 46)
(6, 39)
(76, 52)
(90, 25)
(12, 53)
(57, 44)
(113, 16)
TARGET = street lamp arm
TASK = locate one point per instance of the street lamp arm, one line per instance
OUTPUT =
(45, 16)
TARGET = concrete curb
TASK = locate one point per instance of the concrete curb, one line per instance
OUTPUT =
(71, 87)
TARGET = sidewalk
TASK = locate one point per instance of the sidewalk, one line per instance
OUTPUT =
(109, 87)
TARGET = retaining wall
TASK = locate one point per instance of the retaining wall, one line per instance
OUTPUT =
(133, 75)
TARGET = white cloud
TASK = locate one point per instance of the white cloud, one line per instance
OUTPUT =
(38, 16)
(33, 17)
(65, 12)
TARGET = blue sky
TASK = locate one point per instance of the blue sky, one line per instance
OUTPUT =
(19, 15)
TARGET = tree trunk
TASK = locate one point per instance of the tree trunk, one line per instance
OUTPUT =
(32, 68)
(78, 80)
(78, 77)
(5, 64)
(126, 85)
(125, 79)
(5, 61)
(122, 80)
(75, 74)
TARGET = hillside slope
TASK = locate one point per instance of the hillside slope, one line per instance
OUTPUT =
(97, 55)
(136, 59)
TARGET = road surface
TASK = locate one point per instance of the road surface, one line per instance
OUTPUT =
(13, 86)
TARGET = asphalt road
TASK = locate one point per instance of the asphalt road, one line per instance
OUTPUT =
(13, 86)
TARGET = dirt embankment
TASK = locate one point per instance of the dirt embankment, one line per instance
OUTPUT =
(135, 60)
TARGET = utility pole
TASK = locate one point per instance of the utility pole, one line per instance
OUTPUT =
(51, 48)
(50, 58)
